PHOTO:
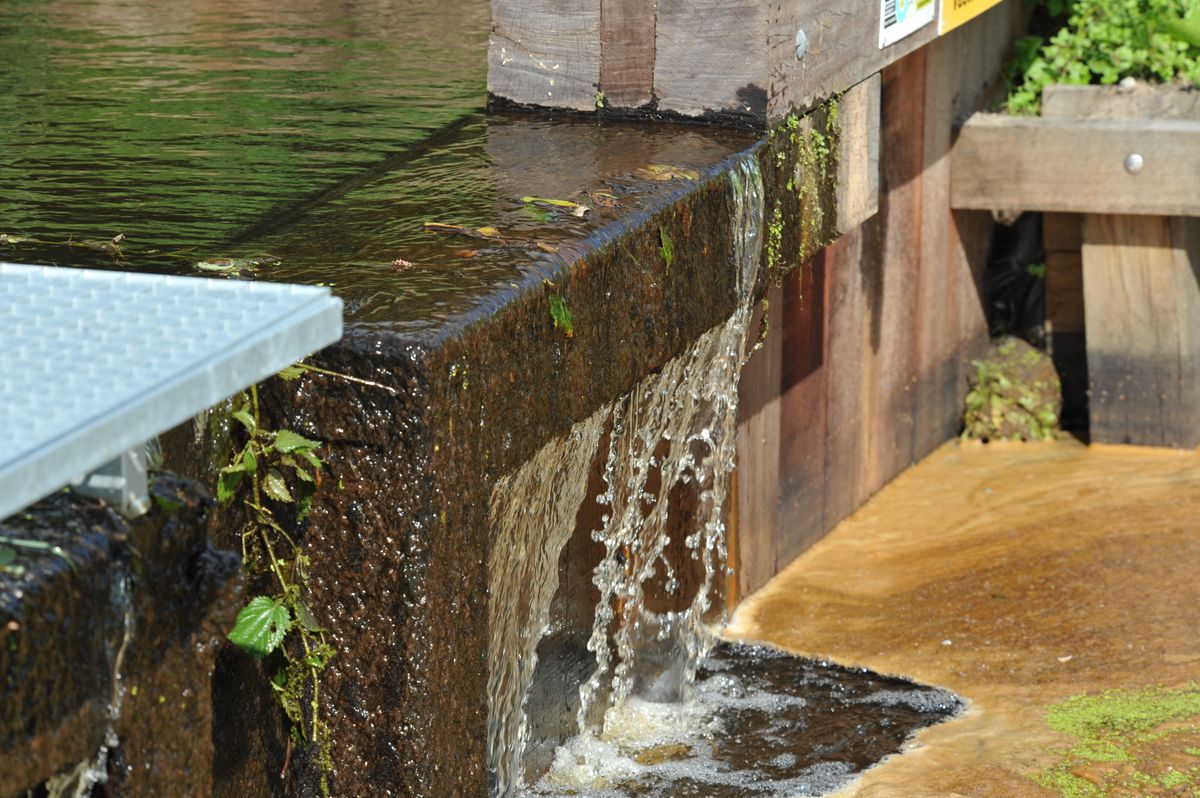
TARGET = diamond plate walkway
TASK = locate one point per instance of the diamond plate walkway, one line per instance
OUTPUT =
(95, 363)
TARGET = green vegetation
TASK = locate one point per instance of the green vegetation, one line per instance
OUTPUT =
(1128, 742)
(11, 548)
(561, 315)
(274, 471)
(1103, 41)
(1015, 395)
(664, 248)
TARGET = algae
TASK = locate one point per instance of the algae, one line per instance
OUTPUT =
(1127, 742)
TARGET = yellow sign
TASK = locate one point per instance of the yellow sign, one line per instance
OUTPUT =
(956, 12)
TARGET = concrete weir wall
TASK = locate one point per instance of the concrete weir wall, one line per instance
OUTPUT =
(872, 315)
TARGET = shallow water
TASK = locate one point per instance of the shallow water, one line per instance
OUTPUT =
(757, 723)
(183, 125)
(303, 142)
(1016, 575)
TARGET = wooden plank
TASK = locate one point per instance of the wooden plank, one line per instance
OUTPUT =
(858, 155)
(842, 49)
(627, 52)
(892, 280)
(1064, 292)
(847, 371)
(1002, 162)
(803, 413)
(758, 452)
(711, 57)
(1117, 102)
(545, 52)
(1061, 232)
(1143, 329)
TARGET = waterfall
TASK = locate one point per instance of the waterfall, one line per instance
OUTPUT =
(677, 427)
(532, 516)
(79, 781)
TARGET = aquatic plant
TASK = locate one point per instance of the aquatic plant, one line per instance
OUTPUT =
(1103, 41)
(273, 470)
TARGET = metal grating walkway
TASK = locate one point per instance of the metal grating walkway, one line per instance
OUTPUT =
(94, 363)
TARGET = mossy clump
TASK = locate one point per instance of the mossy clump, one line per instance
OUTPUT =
(1015, 395)
(1127, 742)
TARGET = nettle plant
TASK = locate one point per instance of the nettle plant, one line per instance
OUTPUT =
(1103, 41)
(274, 475)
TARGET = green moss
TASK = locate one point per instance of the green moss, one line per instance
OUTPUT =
(775, 240)
(1118, 727)
(1115, 715)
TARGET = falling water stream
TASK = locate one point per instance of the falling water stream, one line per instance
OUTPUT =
(678, 426)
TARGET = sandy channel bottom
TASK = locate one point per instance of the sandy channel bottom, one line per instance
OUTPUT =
(1016, 575)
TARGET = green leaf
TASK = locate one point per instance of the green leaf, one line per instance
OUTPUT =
(293, 372)
(312, 459)
(261, 626)
(288, 441)
(227, 483)
(7, 555)
(665, 249)
(246, 420)
(305, 617)
(561, 315)
(275, 487)
(249, 461)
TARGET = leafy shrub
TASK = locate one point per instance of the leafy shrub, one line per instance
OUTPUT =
(1015, 395)
(1103, 41)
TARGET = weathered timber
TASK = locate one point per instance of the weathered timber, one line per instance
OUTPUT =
(758, 445)
(804, 409)
(546, 52)
(1077, 165)
(708, 59)
(627, 40)
(1104, 275)
(1141, 101)
(1143, 332)
(879, 329)
(858, 155)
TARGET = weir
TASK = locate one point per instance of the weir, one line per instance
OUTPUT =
(560, 446)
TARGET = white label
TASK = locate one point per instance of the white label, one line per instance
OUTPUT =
(899, 18)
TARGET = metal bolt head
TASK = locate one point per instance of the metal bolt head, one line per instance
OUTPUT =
(801, 44)
(1134, 163)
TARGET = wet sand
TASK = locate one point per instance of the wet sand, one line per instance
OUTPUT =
(1015, 575)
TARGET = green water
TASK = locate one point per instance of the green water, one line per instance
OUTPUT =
(303, 141)
(185, 125)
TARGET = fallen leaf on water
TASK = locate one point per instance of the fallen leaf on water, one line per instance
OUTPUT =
(664, 171)
(489, 232)
(603, 198)
(557, 203)
(467, 253)
(544, 247)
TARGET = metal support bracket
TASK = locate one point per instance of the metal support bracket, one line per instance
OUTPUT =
(121, 482)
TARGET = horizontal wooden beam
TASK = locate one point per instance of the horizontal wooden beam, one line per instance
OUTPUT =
(753, 60)
(1077, 165)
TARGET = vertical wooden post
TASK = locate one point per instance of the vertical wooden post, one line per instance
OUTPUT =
(757, 494)
(1142, 305)
(1141, 297)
